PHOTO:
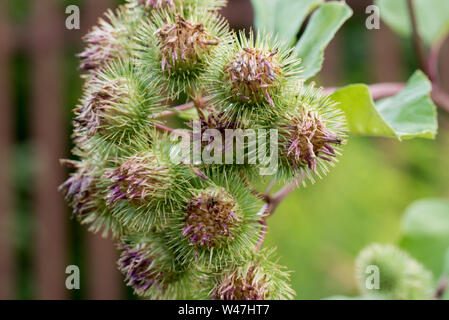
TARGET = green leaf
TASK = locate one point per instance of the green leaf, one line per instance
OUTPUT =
(409, 114)
(362, 116)
(322, 27)
(432, 17)
(282, 17)
(425, 232)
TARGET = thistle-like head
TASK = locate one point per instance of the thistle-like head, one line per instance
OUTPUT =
(310, 139)
(106, 41)
(178, 47)
(183, 43)
(96, 112)
(259, 278)
(237, 286)
(211, 218)
(79, 189)
(139, 179)
(311, 132)
(157, 4)
(252, 72)
(248, 78)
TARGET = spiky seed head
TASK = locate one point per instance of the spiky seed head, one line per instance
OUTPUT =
(157, 4)
(247, 78)
(218, 223)
(147, 268)
(211, 218)
(106, 41)
(400, 276)
(92, 116)
(178, 5)
(140, 178)
(241, 287)
(311, 132)
(259, 278)
(79, 189)
(177, 47)
(183, 43)
(252, 72)
(310, 139)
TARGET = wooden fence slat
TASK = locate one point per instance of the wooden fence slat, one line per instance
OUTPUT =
(48, 143)
(7, 274)
(104, 278)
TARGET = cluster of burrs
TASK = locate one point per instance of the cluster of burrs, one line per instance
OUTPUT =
(189, 230)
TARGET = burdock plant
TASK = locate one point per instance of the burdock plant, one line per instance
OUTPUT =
(186, 229)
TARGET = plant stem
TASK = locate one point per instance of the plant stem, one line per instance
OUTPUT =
(271, 203)
(441, 288)
(418, 44)
(175, 110)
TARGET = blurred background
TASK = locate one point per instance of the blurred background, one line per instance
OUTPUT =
(318, 230)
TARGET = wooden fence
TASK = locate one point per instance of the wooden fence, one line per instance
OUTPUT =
(44, 41)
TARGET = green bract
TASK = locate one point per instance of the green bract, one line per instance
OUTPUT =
(259, 278)
(218, 225)
(311, 133)
(246, 79)
(176, 48)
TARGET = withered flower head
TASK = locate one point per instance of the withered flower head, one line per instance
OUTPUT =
(252, 72)
(183, 43)
(102, 42)
(140, 178)
(79, 190)
(210, 218)
(93, 114)
(309, 139)
(247, 286)
(157, 4)
(141, 267)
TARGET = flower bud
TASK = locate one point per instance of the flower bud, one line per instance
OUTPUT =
(79, 190)
(150, 269)
(257, 279)
(311, 133)
(218, 224)
(399, 275)
(247, 79)
(107, 41)
(178, 46)
(141, 178)
(211, 218)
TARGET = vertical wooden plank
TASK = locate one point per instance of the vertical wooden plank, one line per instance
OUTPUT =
(104, 278)
(48, 143)
(7, 275)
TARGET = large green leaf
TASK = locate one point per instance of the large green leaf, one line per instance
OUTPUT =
(425, 232)
(282, 17)
(432, 17)
(409, 114)
(322, 27)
